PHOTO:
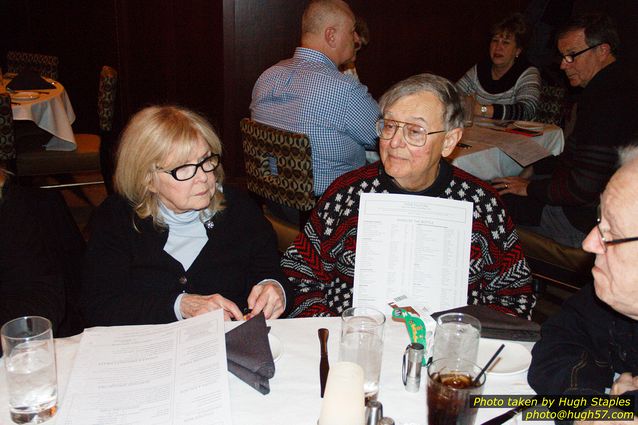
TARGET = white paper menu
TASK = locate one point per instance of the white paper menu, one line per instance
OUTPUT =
(521, 149)
(153, 374)
(417, 246)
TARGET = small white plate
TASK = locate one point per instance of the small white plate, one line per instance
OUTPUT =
(529, 125)
(25, 95)
(276, 347)
(514, 358)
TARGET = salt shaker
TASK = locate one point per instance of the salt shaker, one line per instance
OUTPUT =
(386, 421)
(412, 360)
(374, 412)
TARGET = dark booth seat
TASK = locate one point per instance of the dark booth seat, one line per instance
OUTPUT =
(556, 264)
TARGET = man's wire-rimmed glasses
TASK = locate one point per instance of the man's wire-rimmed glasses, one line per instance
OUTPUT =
(413, 134)
(188, 171)
(569, 58)
(605, 242)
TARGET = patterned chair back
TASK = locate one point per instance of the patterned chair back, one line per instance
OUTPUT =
(278, 164)
(7, 146)
(552, 106)
(106, 97)
(45, 65)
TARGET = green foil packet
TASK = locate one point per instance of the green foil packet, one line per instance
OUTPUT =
(415, 327)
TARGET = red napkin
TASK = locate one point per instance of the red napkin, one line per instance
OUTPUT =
(523, 132)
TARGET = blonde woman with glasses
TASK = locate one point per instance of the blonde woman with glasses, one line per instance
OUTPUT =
(173, 242)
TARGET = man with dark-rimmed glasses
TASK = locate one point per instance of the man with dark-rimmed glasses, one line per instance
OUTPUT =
(591, 344)
(560, 200)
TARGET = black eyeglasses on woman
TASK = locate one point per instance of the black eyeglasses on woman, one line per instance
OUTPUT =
(188, 171)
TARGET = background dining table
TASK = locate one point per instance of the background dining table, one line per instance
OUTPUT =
(51, 111)
(479, 157)
(294, 397)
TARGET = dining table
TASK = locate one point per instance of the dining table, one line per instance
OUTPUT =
(294, 396)
(478, 154)
(50, 109)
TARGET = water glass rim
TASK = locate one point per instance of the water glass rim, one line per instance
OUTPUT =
(376, 315)
(475, 366)
(460, 318)
(46, 329)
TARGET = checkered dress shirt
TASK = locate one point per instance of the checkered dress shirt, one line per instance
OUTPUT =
(307, 94)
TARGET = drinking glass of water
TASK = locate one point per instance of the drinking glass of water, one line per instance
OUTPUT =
(29, 358)
(457, 337)
(362, 343)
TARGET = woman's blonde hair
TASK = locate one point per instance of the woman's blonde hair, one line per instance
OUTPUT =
(151, 136)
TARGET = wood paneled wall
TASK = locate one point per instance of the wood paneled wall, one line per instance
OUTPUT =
(207, 54)
(407, 37)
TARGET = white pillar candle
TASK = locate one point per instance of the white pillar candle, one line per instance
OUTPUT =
(343, 400)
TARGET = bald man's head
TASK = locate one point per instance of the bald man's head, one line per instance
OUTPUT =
(328, 26)
(615, 239)
(320, 14)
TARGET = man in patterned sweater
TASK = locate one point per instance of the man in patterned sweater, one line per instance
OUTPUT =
(427, 111)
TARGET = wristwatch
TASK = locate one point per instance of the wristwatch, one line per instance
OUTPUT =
(483, 110)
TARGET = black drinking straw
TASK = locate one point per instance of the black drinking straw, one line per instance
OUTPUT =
(489, 363)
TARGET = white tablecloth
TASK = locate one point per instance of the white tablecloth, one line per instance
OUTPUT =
(294, 397)
(52, 112)
(487, 162)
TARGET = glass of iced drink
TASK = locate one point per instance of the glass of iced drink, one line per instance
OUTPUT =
(362, 343)
(457, 336)
(29, 359)
(450, 385)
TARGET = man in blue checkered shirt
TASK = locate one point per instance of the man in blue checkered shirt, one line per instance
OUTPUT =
(307, 94)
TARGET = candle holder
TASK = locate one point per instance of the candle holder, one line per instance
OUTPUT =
(343, 399)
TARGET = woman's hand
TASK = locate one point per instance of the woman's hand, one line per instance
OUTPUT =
(514, 185)
(267, 297)
(193, 305)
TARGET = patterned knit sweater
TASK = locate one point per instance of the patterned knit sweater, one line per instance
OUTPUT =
(514, 96)
(320, 263)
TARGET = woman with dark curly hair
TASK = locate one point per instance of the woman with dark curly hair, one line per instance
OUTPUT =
(504, 86)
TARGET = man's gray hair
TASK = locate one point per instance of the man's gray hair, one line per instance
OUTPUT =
(599, 28)
(627, 154)
(442, 88)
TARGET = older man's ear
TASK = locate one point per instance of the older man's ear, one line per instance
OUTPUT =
(452, 137)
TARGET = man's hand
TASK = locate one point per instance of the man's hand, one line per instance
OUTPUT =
(514, 185)
(625, 382)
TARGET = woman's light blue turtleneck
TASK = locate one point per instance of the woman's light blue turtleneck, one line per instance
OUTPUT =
(186, 235)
